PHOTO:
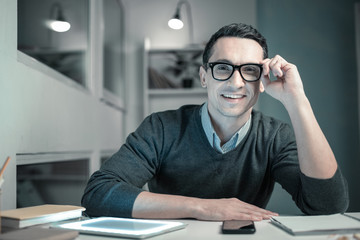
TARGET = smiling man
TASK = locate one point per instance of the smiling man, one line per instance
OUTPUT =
(219, 161)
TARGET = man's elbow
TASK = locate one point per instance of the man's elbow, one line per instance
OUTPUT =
(325, 207)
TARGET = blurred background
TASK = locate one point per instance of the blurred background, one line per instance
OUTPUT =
(69, 99)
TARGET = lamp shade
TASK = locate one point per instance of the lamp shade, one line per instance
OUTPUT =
(175, 23)
(58, 23)
(59, 26)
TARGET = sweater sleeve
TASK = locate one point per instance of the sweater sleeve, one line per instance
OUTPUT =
(311, 195)
(324, 196)
(112, 190)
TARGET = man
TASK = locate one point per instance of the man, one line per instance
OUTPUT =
(219, 161)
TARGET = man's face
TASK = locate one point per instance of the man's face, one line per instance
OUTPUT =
(233, 98)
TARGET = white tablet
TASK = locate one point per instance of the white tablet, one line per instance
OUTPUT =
(122, 227)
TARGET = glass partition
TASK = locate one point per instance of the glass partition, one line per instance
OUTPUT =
(59, 182)
(113, 51)
(55, 32)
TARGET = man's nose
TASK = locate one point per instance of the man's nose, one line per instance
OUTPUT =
(236, 79)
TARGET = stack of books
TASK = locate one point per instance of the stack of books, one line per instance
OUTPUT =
(29, 216)
(40, 234)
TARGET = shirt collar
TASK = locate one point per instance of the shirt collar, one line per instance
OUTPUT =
(213, 138)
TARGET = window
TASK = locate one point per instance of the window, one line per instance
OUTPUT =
(55, 182)
(113, 51)
(65, 52)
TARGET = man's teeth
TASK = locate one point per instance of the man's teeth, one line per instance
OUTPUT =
(235, 96)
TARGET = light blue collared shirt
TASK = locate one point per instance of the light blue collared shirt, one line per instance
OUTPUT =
(213, 138)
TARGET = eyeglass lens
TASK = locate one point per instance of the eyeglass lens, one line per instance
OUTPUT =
(249, 72)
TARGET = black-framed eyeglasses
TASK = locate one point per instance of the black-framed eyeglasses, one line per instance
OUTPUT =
(221, 71)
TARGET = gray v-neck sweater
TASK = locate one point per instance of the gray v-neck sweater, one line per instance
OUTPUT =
(171, 153)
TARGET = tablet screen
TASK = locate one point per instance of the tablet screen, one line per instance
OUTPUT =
(111, 224)
(123, 227)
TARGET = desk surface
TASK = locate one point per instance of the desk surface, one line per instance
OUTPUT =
(212, 231)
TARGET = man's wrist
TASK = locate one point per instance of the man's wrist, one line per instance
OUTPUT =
(295, 102)
(195, 208)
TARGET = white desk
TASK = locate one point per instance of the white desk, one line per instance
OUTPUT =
(212, 231)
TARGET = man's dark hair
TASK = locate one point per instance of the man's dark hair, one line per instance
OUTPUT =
(239, 30)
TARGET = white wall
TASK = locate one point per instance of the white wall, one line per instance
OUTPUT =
(149, 19)
(39, 113)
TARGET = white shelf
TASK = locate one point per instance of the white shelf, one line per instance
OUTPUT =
(46, 51)
(53, 177)
(160, 99)
(179, 50)
(176, 91)
(37, 158)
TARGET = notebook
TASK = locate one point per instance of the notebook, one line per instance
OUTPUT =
(319, 224)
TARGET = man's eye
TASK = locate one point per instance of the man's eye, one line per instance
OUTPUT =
(223, 67)
(250, 69)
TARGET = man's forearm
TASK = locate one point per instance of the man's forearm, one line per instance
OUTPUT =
(152, 205)
(315, 155)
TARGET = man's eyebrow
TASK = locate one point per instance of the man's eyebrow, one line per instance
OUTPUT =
(230, 62)
(224, 61)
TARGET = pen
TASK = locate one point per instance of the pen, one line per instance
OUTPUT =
(4, 166)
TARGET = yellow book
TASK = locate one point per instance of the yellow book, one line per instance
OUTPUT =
(29, 216)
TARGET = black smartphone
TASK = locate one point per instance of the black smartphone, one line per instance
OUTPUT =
(238, 227)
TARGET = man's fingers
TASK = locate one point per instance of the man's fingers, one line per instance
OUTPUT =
(265, 64)
(232, 209)
(275, 65)
(256, 213)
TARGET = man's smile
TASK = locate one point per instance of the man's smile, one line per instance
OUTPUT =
(233, 97)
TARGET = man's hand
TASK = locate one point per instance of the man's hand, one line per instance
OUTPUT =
(288, 87)
(231, 209)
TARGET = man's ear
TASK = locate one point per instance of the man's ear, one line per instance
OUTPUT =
(261, 87)
(202, 74)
